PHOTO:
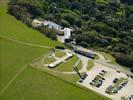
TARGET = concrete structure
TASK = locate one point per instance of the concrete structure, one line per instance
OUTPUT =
(58, 61)
(67, 34)
(36, 23)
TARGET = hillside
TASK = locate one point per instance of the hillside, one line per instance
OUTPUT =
(19, 47)
(105, 25)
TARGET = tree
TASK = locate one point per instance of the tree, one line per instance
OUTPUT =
(69, 17)
(84, 44)
(64, 23)
(78, 22)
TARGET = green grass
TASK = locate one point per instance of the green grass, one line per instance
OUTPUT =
(123, 98)
(37, 85)
(59, 53)
(13, 57)
(109, 57)
(15, 29)
(49, 60)
(90, 65)
(68, 65)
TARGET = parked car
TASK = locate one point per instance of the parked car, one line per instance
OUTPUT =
(103, 71)
(80, 81)
(115, 80)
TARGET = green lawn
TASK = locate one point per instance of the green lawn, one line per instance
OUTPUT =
(49, 60)
(68, 65)
(13, 57)
(90, 65)
(31, 83)
(59, 53)
(37, 85)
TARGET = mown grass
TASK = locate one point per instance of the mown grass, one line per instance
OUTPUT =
(90, 65)
(59, 53)
(13, 57)
(49, 60)
(37, 85)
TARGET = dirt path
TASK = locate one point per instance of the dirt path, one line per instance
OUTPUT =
(15, 77)
(11, 81)
(24, 43)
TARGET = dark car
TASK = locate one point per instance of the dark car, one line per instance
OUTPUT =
(115, 80)
(103, 71)
(91, 83)
(80, 81)
(103, 78)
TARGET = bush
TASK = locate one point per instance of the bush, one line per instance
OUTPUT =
(64, 23)
(124, 59)
(84, 44)
(69, 17)
(60, 47)
(51, 33)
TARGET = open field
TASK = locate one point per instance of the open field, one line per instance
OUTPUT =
(18, 80)
(14, 56)
(59, 53)
(37, 85)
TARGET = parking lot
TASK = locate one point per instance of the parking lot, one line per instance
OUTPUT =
(108, 82)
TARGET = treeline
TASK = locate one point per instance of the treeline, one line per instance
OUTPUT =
(100, 24)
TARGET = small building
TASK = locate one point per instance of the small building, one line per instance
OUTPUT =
(52, 25)
(36, 23)
(86, 53)
(65, 33)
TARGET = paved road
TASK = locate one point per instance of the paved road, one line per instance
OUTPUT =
(104, 62)
(115, 66)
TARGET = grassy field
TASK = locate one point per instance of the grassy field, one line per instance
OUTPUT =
(13, 57)
(59, 53)
(49, 60)
(36, 85)
(90, 65)
(18, 80)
